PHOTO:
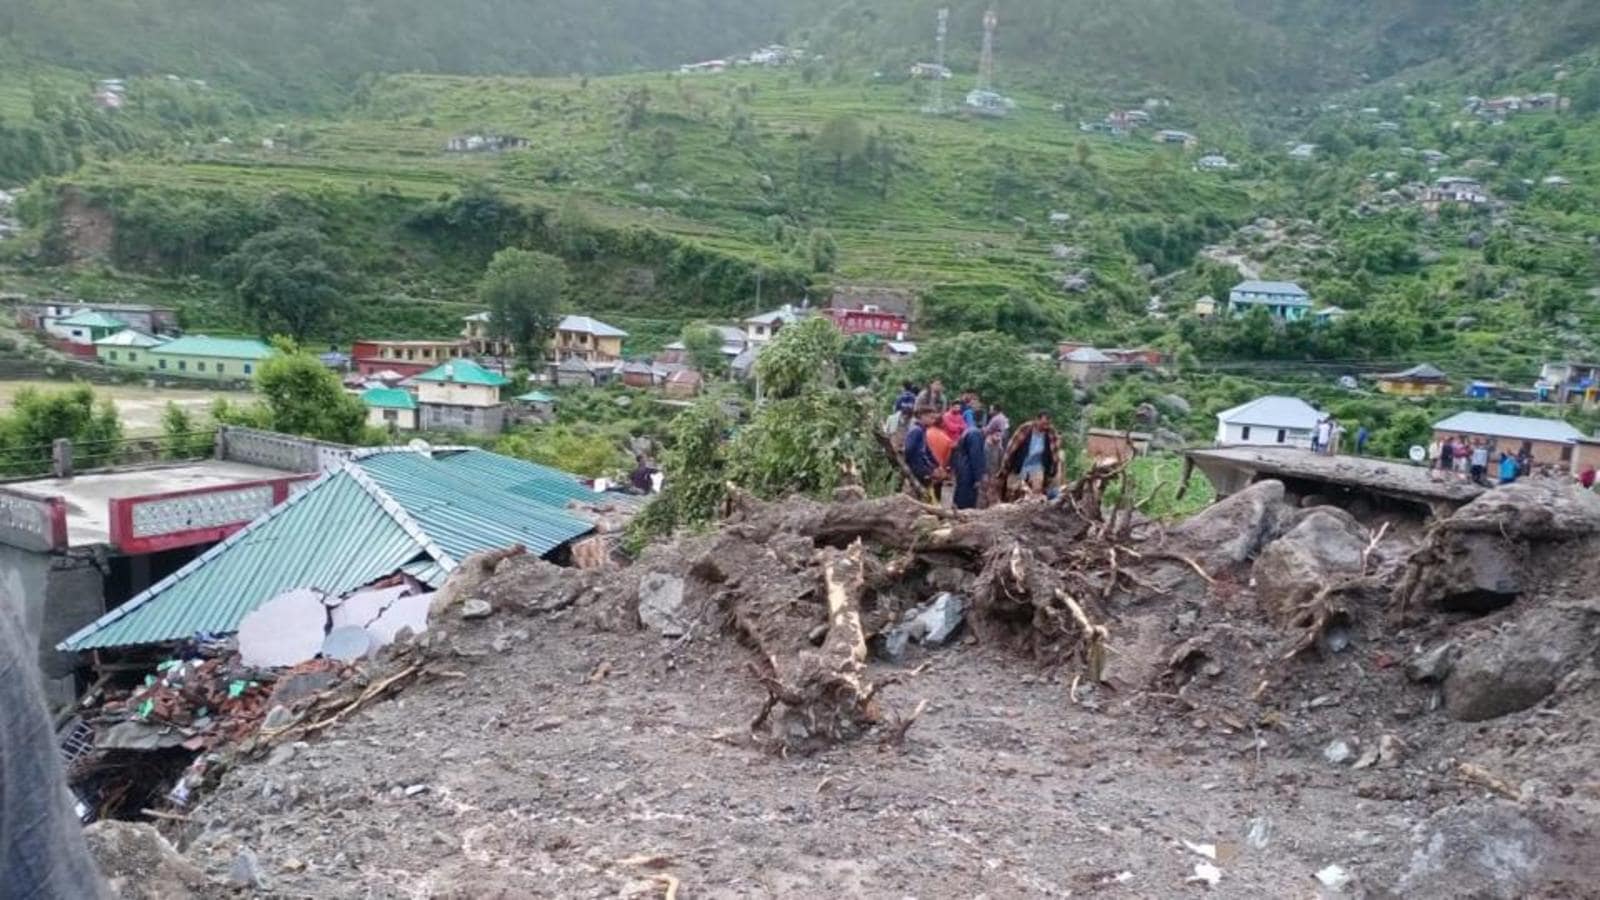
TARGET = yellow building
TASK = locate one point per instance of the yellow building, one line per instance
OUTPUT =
(1418, 381)
(588, 339)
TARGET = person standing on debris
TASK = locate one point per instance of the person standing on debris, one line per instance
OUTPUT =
(1463, 455)
(1586, 477)
(995, 432)
(968, 466)
(1479, 460)
(1034, 454)
(919, 458)
(896, 425)
(640, 478)
(970, 410)
(1508, 468)
(1440, 453)
(906, 403)
(42, 854)
(1324, 438)
(1362, 435)
(932, 396)
(1525, 458)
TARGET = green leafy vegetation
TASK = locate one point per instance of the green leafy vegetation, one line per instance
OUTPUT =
(523, 291)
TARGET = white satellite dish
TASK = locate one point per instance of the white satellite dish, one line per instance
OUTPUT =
(418, 445)
(1417, 453)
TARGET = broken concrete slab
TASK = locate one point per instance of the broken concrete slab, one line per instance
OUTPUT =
(285, 630)
(364, 607)
(410, 611)
(347, 643)
(134, 735)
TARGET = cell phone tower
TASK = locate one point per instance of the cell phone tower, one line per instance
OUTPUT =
(986, 61)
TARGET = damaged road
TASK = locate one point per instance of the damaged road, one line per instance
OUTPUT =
(1254, 699)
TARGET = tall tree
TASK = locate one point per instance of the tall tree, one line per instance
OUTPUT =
(305, 397)
(290, 280)
(523, 289)
(703, 345)
(843, 140)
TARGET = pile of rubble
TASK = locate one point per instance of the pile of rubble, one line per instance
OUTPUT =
(1448, 669)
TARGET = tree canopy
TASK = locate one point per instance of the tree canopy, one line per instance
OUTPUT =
(290, 280)
(523, 291)
(703, 345)
(304, 397)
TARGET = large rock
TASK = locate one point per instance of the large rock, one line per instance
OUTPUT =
(139, 864)
(1325, 546)
(1235, 529)
(661, 605)
(1475, 851)
(1513, 669)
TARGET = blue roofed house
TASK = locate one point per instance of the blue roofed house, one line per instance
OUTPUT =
(1283, 300)
(380, 513)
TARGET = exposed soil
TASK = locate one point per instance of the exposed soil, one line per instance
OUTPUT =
(568, 753)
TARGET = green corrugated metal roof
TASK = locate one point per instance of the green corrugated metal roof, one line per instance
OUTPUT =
(388, 398)
(536, 397)
(465, 514)
(333, 535)
(464, 371)
(92, 319)
(225, 348)
(128, 337)
(551, 487)
(385, 512)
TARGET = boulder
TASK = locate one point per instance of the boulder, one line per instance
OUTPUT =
(1488, 851)
(661, 605)
(1174, 404)
(1234, 530)
(139, 864)
(1433, 664)
(1323, 547)
(1486, 574)
(1513, 669)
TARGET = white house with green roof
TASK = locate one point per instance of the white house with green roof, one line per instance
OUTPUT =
(461, 395)
(209, 358)
(390, 408)
(86, 327)
(127, 349)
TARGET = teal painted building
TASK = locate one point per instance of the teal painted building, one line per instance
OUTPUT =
(208, 358)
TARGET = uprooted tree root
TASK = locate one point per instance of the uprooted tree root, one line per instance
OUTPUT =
(809, 585)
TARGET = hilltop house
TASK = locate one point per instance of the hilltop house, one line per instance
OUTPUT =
(930, 71)
(1283, 300)
(1458, 189)
(1551, 441)
(1568, 382)
(127, 349)
(45, 316)
(765, 326)
(1213, 162)
(390, 408)
(213, 359)
(1418, 381)
(1269, 421)
(885, 312)
(1171, 136)
(485, 143)
(588, 339)
(684, 384)
(1303, 152)
(1087, 366)
(461, 395)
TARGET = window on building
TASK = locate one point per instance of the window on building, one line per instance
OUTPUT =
(132, 357)
(466, 416)
(1244, 433)
(200, 366)
(1282, 436)
(77, 332)
(222, 368)
(391, 415)
(247, 368)
(183, 365)
(162, 364)
(113, 356)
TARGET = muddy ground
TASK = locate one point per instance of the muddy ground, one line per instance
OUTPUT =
(530, 777)
(1280, 721)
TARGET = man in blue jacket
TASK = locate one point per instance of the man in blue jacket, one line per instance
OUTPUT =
(919, 459)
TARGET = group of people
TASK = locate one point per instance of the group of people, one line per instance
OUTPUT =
(963, 453)
(1469, 458)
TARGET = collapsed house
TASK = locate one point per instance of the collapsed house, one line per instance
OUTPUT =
(317, 584)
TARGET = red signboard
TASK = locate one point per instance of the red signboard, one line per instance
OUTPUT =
(206, 515)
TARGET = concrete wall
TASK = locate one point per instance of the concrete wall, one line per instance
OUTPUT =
(1263, 435)
(456, 394)
(52, 595)
(484, 420)
(401, 419)
(202, 368)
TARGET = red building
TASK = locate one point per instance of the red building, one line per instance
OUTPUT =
(869, 320)
(406, 357)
